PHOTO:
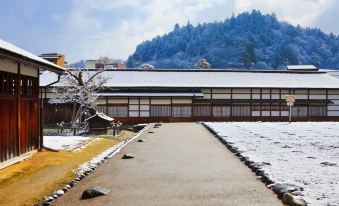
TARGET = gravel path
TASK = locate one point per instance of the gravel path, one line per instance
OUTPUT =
(178, 164)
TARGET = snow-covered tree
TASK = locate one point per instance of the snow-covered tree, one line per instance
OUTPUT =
(79, 87)
(203, 64)
(146, 66)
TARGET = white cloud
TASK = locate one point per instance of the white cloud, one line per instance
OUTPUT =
(153, 18)
(303, 12)
(87, 35)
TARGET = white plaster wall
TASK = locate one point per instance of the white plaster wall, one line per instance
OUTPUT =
(28, 70)
(160, 101)
(118, 101)
(182, 101)
(8, 65)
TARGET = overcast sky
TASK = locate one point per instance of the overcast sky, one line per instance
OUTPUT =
(87, 29)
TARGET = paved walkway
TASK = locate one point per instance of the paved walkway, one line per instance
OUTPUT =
(178, 164)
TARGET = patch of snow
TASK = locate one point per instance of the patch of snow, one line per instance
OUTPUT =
(68, 143)
(213, 79)
(302, 153)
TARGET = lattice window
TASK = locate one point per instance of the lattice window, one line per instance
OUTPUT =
(113, 110)
(241, 111)
(221, 111)
(182, 111)
(8, 83)
(202, 111)
(317, 111)
(160, 111)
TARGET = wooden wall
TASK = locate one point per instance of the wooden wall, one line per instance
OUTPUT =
(19, 114)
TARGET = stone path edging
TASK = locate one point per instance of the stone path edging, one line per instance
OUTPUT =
(87, 168)
(262, 175)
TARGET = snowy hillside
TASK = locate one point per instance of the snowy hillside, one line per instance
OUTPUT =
(249, 40)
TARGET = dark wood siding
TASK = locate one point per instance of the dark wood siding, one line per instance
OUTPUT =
(19, 115)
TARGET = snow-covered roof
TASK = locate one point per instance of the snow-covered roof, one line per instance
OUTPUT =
(149, 94)
(214, 79)
(14, 50)
(302, 67)
(101, 115)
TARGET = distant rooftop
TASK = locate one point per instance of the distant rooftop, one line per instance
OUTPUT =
(213, 78)
(302, 67)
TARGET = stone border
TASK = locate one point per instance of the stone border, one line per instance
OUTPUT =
(87, 168)
(285, 192)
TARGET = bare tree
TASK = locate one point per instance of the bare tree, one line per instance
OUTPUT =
(79, 87)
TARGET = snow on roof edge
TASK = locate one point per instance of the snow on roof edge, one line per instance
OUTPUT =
(18, 51)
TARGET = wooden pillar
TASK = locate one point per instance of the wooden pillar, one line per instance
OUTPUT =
(326, 102)
(251, 101)
(41, 117)
(231, 104)
(308, 103)
(19, 148)
(106, 105)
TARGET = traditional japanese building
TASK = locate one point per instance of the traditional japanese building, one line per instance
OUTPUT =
(19, 101)
(134, 96)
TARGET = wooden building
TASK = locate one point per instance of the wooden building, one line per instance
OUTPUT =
(58, 59)
(135, 96)
(19, 101)
(99, 123)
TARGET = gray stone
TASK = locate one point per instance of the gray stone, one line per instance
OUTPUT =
(127, 156)
(59, 192)
(55, 196)
(282, 188)
(92, 192)
(291, 200)
(49, 199)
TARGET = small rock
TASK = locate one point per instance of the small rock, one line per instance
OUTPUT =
(49, 199)
(291, 200)
(128, 156)
(46, 203)
(94, 192)
(55, 196)
(282, 188)
(77, 179)
(141, 140)
(330, 164)
(68, 186)
(157, 124)
(59, 192)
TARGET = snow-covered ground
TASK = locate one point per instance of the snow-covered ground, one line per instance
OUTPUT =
(301, 153)
(69, 143)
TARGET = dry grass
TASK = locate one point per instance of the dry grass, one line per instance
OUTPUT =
(26, 183)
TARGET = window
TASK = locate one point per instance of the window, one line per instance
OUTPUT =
(317, 110)
(221, 111)
(299, 111)
(241, 111)
(182, 111)
(7, 83)
(202, 111)
(114, 110)
(160, 111)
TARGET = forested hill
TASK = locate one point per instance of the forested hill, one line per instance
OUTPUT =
(249, 40)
